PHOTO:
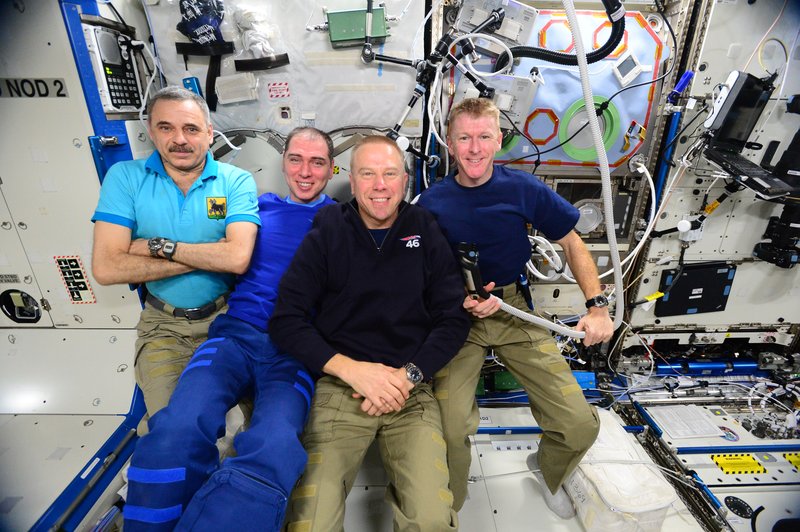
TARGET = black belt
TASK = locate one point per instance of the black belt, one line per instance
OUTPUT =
(521, 286)
(197, 313)
(498, 292)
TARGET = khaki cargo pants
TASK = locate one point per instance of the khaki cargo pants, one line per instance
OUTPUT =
(163, 348)
(410, 442)
(528, 351)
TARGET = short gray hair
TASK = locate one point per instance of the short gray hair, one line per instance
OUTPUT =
(178, 94)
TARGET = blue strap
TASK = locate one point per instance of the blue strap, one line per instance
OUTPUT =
(305, 393)
(152, 515)
(211, 341)
(197, 364)
(306, 377)
(207, 351)
(156, 476)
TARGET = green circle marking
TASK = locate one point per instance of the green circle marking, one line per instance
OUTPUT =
(610, 117)
(508, 145)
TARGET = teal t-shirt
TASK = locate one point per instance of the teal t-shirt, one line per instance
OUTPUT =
(141, 196)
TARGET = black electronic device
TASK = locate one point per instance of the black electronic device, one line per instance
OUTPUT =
(735, 114)
(468, 258)
(114, 66)
(748, 173)
(695, 289)
(788, 167)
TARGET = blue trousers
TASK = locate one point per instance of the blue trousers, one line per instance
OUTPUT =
(175, 480)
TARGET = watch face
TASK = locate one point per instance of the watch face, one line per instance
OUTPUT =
(413, 373)
(155, 245)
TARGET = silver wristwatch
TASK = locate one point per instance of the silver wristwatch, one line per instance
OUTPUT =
(413, 373)
(155, 244)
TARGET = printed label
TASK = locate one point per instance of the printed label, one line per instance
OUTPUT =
(278, 89)
(75, 279)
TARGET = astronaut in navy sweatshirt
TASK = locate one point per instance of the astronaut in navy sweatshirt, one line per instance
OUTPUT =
(372, 305)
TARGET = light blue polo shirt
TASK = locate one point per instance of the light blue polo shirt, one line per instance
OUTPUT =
(140, 195)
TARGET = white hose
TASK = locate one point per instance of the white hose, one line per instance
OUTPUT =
(594, 126)
(560, 329)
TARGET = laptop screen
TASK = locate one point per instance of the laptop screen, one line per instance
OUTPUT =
(737, 124)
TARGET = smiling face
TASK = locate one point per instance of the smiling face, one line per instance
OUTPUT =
(181, 134)
(473, 141)
(377, 181)
(306, 167)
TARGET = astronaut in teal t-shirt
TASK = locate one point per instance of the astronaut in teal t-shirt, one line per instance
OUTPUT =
(182, 224)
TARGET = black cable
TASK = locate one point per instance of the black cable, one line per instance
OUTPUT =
(754, 516)
(612, 8)
(540, 153)
(679, 133)
(675, 278)
(530, 140)
(116, 13)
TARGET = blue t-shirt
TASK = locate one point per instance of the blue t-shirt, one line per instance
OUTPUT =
(141, 196)
(495, 215)
(284, 223)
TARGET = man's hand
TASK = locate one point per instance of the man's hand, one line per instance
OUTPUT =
(370, 408)
(481, 308)
(139, 247)
(598, 326)
(118, 259)
(384, 389)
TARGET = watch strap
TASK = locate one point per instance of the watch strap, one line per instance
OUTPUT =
(168, 249)
(599, 301)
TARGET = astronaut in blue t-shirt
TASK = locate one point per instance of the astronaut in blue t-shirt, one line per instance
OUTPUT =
(183, 225)
(175, 478)
(492, 206)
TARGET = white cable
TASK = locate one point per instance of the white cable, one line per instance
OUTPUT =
(650, 225)
(506, 69)
(552, 256)
(781, 89)
(492, 38)
(225, 138)
(785, 3)
(156, 68)
(400, 16)
(311, 14)
(435, 96)
(434, 7)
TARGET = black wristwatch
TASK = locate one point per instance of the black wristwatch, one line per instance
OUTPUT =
(597, 301)
(168, 249)
(155, 245)
(413, 373)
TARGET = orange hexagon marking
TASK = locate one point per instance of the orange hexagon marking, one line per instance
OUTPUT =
(553, 118)
(543, 34)
(620, 49)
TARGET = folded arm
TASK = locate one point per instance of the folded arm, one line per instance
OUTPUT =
(229, 255)
(113, 262)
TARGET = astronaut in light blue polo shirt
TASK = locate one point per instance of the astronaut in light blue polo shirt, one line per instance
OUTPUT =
(184, 225)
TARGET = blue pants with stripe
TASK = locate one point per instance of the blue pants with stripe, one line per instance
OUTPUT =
(176, 481)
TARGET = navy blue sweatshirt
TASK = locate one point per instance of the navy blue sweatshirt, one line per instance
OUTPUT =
(397, 303)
